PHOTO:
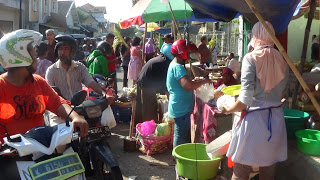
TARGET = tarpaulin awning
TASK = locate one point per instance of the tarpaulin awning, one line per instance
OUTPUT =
(278, 12)
(201, 17)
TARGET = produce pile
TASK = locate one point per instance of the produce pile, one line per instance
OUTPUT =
(154, 138)
(151, 128)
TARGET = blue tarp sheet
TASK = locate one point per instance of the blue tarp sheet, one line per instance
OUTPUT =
(278, 12)
(192, 30)
(201, 17)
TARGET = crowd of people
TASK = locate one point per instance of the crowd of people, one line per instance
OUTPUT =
(31, 70)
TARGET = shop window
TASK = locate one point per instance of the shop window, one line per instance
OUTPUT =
(45, 6)
(53, 6)
(35, 5)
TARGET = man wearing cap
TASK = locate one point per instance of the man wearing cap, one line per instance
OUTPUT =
(167, 40)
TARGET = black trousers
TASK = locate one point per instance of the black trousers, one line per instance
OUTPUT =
(125, 76)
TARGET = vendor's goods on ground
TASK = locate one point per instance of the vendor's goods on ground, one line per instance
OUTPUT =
(152, 138)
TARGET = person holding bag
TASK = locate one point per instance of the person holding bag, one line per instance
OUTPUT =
(259, 137)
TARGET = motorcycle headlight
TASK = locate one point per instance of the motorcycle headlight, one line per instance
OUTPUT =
(93, 112)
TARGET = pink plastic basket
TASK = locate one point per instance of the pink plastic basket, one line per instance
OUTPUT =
(152, 144)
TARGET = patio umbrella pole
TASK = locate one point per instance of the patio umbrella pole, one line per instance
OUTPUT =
(174, 19)
(144, 43)
(285, 55)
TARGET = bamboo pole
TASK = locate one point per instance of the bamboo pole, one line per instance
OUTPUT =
(144, 43)
(304, 48)
(174, 19)
(285, 55)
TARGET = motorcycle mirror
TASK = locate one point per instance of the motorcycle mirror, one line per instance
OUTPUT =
(78, 98)
(98, 76)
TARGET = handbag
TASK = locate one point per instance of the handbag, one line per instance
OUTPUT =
(107, 118)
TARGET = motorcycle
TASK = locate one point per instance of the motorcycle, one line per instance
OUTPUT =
(33, 154)
(101, 80)
(95, 153)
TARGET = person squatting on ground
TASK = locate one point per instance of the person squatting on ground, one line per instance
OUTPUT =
(180, 87)
(259, 138)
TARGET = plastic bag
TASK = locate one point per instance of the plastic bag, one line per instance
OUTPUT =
(205, 92)
(107, 118)
(148, 127)
(225, 101)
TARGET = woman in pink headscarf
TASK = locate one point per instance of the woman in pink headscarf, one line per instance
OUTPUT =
(259, 138)
(149, 49)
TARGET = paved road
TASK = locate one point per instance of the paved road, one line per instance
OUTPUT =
(120, 80)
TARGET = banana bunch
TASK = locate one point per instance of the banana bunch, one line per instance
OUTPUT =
(119, 38)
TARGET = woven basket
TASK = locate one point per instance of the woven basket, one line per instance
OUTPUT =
(152, 144)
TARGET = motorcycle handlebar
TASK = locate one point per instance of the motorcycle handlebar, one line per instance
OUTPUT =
(5, 149)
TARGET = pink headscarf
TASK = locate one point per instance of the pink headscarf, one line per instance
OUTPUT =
(270, 64)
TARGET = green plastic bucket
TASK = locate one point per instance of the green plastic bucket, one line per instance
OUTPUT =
(308, 141)
(189, 167)
(295, 120)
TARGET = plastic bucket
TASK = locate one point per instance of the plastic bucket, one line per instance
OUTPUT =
(295, 120)
(194, 163)
(308, 141)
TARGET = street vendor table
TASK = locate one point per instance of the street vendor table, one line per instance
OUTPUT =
(206, 124)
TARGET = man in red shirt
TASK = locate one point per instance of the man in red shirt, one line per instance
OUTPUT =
(204, 51)
(112, 61)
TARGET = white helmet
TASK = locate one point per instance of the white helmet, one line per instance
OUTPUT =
(13, 48)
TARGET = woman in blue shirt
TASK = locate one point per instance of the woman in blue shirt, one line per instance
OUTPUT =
(180, 88)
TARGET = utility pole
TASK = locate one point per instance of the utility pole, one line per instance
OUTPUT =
(20, 15)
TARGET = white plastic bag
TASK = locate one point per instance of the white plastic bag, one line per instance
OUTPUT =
(205, 92)
(225, 101)
(107, 118)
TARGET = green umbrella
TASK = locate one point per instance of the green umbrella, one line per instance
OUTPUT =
(145, 11)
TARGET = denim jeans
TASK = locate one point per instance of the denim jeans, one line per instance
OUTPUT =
(182, 129)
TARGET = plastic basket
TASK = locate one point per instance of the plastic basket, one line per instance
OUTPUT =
(308, 141)
(122, 114)
(152, 144)
(194, 163)
(294, 121)
(232, 90)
